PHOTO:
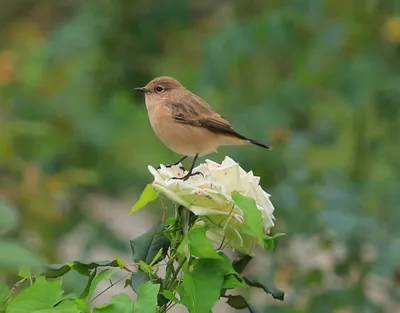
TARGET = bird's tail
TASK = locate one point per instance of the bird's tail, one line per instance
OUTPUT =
(238, 139)
(258, 144)
(251, 141)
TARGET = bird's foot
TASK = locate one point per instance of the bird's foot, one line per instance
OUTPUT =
(172, 164)
(188, 175)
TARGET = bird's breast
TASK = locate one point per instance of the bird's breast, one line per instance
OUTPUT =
(182, 138)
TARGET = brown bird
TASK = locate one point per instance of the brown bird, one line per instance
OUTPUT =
(187, 124)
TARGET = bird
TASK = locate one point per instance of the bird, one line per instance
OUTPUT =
(187, 124)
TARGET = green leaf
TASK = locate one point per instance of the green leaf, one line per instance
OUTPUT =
(240, 264)
(106, 274)
(200, 245)
(168, 294)
(8, 216)
(139, 278)
(57, 270)
(203, 284)
(81, 304)
(269, 241)
(120, 262)
(238, 302)
(183, 248)
(85, 292)
(146, 246)
(44, 297)
(120, 303)
(14, 255)
(253, 223)
(146, 301)
(273, 291)
(232, 281)
(147, 196)
(170, 221)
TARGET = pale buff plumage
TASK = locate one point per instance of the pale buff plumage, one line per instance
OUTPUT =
(184, 122)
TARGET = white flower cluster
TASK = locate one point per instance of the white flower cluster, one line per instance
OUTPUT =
(209, 196)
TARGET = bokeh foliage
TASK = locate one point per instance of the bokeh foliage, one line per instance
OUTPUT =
(318, 79)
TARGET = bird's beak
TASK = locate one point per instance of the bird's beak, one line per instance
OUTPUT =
(140, 89)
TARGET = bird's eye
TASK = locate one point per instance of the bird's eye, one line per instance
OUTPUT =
(159, 89)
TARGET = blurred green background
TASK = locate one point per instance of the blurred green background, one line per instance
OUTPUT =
(317, 79)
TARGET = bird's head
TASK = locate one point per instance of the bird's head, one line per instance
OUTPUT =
(160, 88)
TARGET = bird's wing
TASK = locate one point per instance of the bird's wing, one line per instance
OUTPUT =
(196, 112)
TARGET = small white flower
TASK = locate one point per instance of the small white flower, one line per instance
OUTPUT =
(209, 196)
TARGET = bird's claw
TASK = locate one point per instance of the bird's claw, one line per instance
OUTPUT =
(188, 175)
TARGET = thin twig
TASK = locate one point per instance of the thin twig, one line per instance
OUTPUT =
(16, 285)
(111, 285)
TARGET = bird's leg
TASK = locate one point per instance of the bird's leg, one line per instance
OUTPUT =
(190, 173)
(173, 164)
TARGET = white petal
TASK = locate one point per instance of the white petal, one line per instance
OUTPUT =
(171, 195)
(198, 210)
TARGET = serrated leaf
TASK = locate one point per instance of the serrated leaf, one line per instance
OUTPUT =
(199, 245)
(273, 291)
(86, 268)
(57, 270)
(120, 303)
(44, 297)
(203, 285)
(146, 246)
(146, 301)
(253, 223)
(8, 216)
(147, 196)
(13, 255)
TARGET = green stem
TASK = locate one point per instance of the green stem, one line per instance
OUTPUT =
(181, 262)
(169, 271)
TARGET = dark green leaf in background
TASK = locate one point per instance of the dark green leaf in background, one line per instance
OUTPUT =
(146, 246)
(88, 287)
(13, 256)
(273, 291)
(237, 302)
(57, 270)
(8, 216)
